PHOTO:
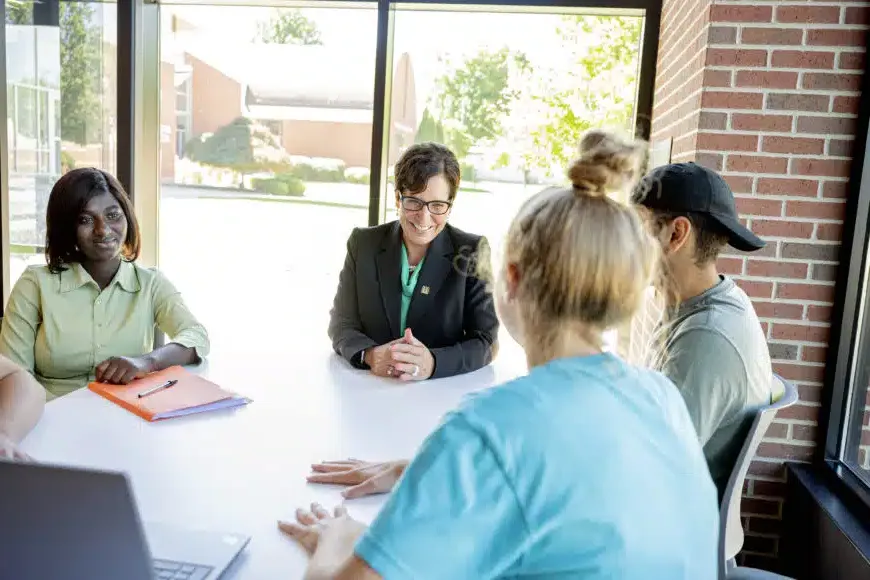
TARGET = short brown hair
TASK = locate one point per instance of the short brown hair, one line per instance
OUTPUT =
(423, 161)
(67, 200)
(710, 239)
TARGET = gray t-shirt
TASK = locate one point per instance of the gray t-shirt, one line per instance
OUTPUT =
(716, 354)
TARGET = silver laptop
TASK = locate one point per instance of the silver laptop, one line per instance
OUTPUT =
(71, 523)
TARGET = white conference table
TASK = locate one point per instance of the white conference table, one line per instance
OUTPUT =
(240, 470)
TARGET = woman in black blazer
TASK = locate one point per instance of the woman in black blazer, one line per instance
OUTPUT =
(412, 299)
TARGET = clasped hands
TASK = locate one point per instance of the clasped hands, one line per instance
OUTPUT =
(406, 359)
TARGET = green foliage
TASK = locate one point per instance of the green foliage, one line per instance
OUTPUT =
(241, 146)
(360, 175)
(474, 98)
(270, 185)
(599, 92)
(67, 161)
(430, 129)
(468, 173)
(329, 171)
(81, 114)
(81, 118)
(19, 11)
(289, 27)
(281, 184)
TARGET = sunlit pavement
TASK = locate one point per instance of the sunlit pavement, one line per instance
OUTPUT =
(260, 273)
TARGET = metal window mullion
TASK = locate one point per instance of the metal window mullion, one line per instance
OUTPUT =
(380, 111)
(5, 222)
(850, 344)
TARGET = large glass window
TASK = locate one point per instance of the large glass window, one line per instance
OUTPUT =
(512, 107)
(266, 122)
(858, 445)
(266, 119)
(847, 442)
(855, 428)
(60, 98)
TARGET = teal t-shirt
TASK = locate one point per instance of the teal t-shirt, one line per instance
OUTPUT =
(586, 468)
(409, 282)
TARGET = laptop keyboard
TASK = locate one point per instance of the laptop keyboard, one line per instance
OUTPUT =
(166, 570)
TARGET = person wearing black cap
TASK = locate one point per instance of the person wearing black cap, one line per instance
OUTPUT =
(711, 344)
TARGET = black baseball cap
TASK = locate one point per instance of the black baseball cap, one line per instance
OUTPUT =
(689, 187)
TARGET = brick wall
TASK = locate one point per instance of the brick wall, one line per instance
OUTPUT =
(766, 92)
(680, 75)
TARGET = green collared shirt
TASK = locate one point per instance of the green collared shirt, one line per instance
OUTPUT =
(61, 326)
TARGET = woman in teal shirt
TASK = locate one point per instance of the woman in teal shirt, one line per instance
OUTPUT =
(585, 468)
(412, 301)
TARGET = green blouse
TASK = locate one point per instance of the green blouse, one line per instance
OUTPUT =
(60, 326)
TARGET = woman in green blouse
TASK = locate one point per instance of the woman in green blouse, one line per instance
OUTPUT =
(90, 313)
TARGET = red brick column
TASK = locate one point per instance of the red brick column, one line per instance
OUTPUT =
(766, 92)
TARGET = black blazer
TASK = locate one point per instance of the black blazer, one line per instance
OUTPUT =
(451, 312)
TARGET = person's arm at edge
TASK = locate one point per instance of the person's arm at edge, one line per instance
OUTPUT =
(21, 322)
(190, 341)
(344, 322)
(351, 567)
(341, 553)
(480, 345)
(22, 400)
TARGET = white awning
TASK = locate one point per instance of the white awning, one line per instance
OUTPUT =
(327, 115)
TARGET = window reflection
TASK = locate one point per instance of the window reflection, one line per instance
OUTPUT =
(60, 96)
(266, 121)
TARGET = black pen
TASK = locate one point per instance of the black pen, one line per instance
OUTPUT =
(165, 385)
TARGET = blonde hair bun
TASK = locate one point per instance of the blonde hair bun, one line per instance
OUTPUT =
(608, 163)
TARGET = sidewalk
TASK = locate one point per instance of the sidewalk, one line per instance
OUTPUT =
(349, 195)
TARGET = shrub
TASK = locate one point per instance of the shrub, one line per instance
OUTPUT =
(317, 169)
(295, 186)
(67, 161)
(468, 172)
(283, 184)
(357, 175)
(242, 146)
(270, 185)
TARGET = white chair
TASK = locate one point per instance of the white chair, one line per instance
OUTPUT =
(730, 526)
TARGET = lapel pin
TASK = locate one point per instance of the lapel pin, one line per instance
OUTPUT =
(424, 290)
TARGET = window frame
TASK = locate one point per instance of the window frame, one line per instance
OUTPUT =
(138, 81)
(850, 322)
(384, 66)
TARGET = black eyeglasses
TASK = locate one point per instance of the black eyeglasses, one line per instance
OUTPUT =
(436, 207)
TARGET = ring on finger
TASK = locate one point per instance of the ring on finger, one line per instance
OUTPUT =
(416, 371)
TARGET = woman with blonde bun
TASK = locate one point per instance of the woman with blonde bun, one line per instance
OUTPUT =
(586, 467)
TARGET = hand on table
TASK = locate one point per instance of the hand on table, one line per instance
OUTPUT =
(121, 370)
(363, 477)
(312, 526)
(9, 450)
(410, 359)
(379, 359)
